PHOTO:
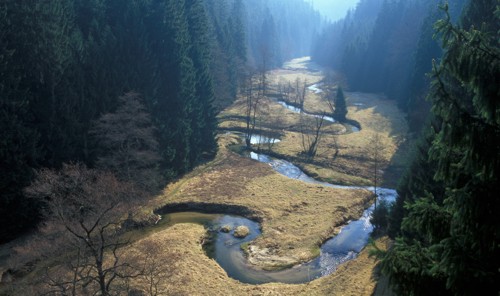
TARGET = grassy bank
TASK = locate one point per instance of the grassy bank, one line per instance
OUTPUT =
(289, 210)
(196, 274)
(295, 217)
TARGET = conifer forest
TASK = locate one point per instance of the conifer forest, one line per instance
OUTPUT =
(146, 144)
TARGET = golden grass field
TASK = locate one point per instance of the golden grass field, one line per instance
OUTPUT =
(289, 209)
(196, 274)
(295, 217)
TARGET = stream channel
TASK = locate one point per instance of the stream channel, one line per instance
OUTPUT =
(315, 88)
(226, 249)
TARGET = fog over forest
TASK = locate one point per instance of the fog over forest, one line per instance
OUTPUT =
(208, 147)
(333, 9)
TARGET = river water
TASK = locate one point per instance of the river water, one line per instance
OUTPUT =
(295, 109)
(226, 249)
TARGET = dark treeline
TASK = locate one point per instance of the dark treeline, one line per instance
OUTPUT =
(229, 58)
(64, 64)
(256, 35)
(445, 221)
(130, 87)
(441, 65)
(279, 30)
(387, 47)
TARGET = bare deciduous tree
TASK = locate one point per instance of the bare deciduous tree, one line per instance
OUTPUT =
(329, 95)
(300, 93)
(127, 143)
(156, 266)
(85, 210)
(311, 133)
(375, 152)
(252, 101)
(310, 127)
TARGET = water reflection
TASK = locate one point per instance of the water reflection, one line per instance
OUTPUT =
(315, 88)
(260, 139)
(226, 249)
(298, 110)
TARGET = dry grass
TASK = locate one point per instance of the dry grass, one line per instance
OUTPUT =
(296, 217)
(196, 274)
(289, 209)
(352, 165)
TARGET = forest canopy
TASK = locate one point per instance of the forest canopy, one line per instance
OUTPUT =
(71, 71)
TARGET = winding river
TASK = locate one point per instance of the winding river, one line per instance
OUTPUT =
(226, 249)
(315, 88)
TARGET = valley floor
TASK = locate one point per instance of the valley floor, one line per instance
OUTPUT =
(296, 217)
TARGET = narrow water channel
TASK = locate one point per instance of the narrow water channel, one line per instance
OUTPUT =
(227, 250)
(260, 139)
(298, 110)
(349, 127)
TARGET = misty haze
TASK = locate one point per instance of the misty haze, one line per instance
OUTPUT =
(249, 147)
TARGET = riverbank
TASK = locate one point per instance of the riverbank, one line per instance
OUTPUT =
(289, 210)
(196, 274)
(343, 156)
(296, 217)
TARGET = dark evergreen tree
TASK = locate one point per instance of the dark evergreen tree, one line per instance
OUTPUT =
(386, 46)
(449, 242)
(268, 55)
(175, 106)
(417, 181)
(202, 112)
(65, 63)
(467, 147)
(418, 108)
(340, 106)
(226, 66)
(237, 28)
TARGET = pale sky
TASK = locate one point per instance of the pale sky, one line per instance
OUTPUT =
(333, 9)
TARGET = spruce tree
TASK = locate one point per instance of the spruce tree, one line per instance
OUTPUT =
(449, 242)
(467, 148)
(238, 30)
(202, 111)
(340, 106)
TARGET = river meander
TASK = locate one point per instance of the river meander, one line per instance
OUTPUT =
(227, 250)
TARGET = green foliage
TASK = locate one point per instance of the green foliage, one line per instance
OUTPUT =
(411, 266)
(65, 63)
(449, 239)
(340, 106)
(426, 220)
(380, 216)
(418, 180)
